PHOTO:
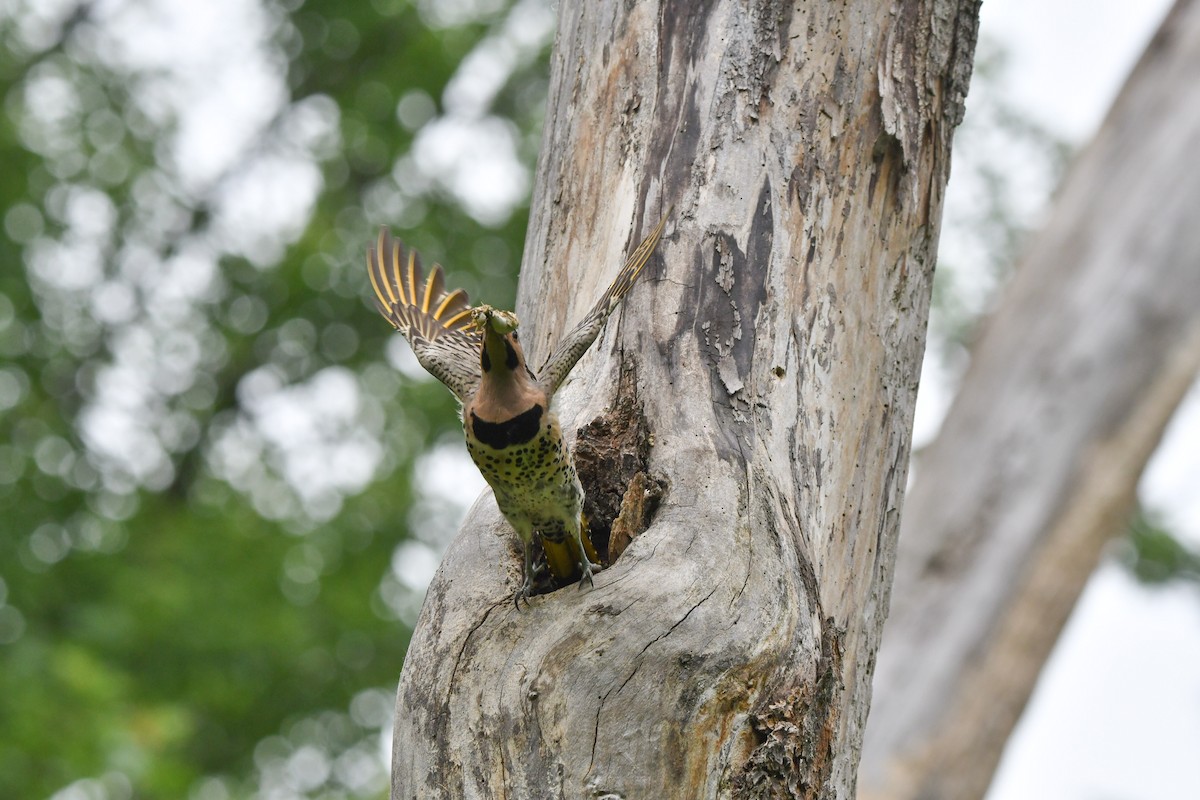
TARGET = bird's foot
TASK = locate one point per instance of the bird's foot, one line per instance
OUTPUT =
(522, 594)
(587, 568)
(526, 579)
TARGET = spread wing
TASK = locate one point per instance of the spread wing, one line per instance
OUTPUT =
(435, 322)
(575, 344)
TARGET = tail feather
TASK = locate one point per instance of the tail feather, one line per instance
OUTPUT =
(588, 547)
(563, 557)
(560, 560)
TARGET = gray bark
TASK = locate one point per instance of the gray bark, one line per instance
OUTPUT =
(1035, 468)
(773, 351)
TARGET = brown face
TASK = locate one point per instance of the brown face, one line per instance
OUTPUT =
(502, 355)
(499, 350)
(509, 406)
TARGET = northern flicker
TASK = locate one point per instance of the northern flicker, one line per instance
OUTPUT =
(512, 434)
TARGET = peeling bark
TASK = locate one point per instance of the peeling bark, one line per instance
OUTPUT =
(1070, 387)
(795, 746)
(777, 340)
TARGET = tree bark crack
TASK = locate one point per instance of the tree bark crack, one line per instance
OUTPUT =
(745, 579)
(466, 641)
(653, 641)
(596, 735)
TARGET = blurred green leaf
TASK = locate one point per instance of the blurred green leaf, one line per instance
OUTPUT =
(1155, 555)
(218, 493)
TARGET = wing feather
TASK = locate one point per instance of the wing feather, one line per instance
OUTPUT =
(580, 338)
(435, 322)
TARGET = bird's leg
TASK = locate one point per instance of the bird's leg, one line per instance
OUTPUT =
(585, 567)
(585, 564)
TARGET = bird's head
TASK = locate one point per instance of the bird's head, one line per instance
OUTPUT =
(501, 355)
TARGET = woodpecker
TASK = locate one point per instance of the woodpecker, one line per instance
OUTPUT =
(512, 434)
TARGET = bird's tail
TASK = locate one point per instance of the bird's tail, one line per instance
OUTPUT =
(563, 558)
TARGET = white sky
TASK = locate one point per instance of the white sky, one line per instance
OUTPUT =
(1070, 57)
(1116, 715)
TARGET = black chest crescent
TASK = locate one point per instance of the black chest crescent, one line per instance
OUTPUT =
(518, 430)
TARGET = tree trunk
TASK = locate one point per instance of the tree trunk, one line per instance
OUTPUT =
(769, 359)
(1036, 465)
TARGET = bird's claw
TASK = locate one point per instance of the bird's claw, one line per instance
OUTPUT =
(522, 594)
(526, 580)
(586, 567)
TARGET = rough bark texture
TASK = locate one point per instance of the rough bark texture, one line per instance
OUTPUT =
(1035, 468)
(774, 349)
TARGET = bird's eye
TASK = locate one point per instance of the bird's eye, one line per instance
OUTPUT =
(516, 338)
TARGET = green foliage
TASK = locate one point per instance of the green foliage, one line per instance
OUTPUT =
(1155, 555)
(213, 452)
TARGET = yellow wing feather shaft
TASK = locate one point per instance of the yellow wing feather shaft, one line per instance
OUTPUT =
(413, 303)
(435, 322)
(576, 342)
(633, 265)
(384, 296)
